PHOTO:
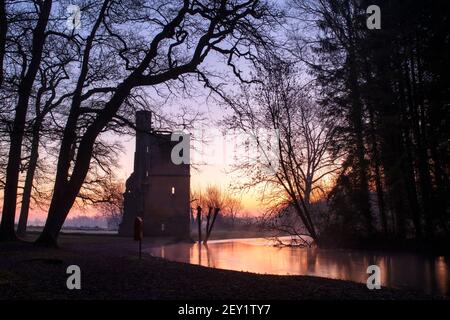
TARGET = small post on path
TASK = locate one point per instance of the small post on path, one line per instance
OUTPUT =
(139, 233)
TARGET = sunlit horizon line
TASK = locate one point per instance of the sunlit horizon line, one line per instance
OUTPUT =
(208, 173)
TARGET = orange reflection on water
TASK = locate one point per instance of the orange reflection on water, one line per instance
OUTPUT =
(427, 274)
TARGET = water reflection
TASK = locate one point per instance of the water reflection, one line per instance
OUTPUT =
(400, 270)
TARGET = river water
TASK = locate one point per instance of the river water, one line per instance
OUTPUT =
(429, 274)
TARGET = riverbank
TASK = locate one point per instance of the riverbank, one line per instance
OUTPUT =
(217, 234)
(429, 247)
(110, 269)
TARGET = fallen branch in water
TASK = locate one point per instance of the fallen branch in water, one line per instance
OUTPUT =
(295, 241)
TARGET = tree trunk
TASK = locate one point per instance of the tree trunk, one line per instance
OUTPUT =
(64, 195)
(66, 189)
(408, 160)
(16, 137)
(208, 230)
(372, 104)
(3, 31)
(356, 123)
(376, 165)
(34, 156)
(409, 176)
(208, 220)
(199, 223)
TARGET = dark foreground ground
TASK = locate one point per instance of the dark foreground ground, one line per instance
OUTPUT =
(110, 269)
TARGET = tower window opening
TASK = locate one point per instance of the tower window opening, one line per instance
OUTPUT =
(173, 190)
(146, 173)
(147, 149)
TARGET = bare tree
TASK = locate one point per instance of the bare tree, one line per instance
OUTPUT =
(232, 208)
(3, 31)
(182, 35)
(110, 203)
(209, 201)
(30, 69)
(295, 162)
(50, 94)
(213, 200)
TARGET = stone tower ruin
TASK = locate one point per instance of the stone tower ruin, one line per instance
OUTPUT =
(158, 190)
